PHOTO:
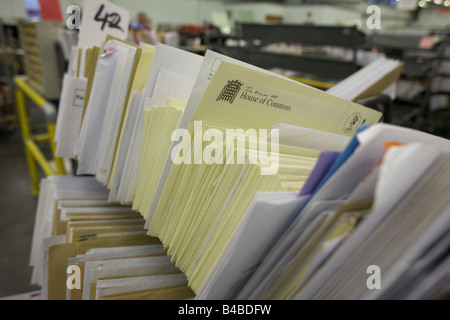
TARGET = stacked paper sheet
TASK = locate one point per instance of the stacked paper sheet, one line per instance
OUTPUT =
(371, 80)
(87, 248)
(339, 233)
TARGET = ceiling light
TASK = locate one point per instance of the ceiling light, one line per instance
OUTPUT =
(422, 3)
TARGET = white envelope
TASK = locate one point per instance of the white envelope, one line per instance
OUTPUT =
(93, 210)
(310, 138)
(82, 203)
(125, 144)
(97, 254)
(122, 285)
(301, 228)
(114, 110)
(409, 267)
(94, 270)
(362, 161)
(52, 189)
(355, 84)
(122, 252)
(93, 119)
(402, 167)
(125, 193)
(266, 218)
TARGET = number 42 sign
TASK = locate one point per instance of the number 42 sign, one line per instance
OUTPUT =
(102, 18)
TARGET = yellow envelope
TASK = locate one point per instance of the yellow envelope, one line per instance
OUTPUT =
(158, 125)
(240, 97)
(91, 66)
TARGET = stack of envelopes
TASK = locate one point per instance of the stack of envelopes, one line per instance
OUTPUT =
(214, 179)
(188, 141)
(380, 210)
(86, 248)
(200, 204)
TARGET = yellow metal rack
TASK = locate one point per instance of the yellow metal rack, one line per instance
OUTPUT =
(33, 153)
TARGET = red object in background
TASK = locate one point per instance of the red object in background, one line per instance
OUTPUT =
(195, 30)
(443, 10)
(50, 10)
(427, 42)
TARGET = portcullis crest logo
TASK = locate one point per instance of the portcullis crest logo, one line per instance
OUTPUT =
(230, 91)
(353, 122)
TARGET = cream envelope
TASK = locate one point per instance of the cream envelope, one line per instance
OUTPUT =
(95, 270)
(115, 286)
(169, 66)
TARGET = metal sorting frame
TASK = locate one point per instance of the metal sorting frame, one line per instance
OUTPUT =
(348, 37)
(32, 152)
